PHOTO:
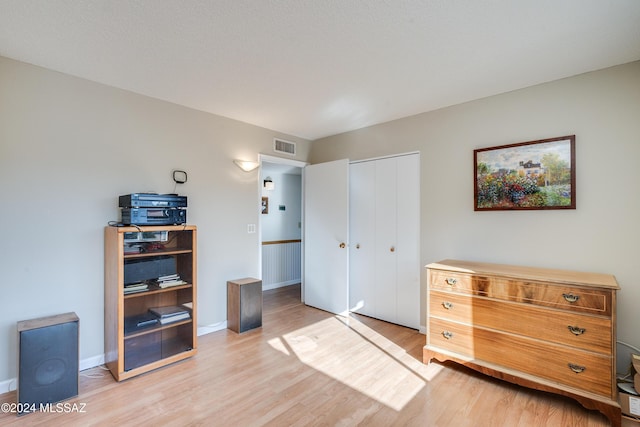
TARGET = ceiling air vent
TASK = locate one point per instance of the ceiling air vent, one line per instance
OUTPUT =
(285, 147)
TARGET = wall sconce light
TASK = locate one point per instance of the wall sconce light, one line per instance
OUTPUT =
(245, 165)
(268, 184)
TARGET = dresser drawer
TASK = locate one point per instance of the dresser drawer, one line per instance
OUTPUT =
(573, 329)
(571, 367)
(565, 297)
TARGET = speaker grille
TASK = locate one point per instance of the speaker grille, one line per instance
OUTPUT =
(49, 371)
(48, 362)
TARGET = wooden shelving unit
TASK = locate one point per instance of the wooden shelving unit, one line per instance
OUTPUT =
(132, 350)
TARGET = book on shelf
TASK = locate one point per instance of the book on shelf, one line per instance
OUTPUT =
(135, 287)
(169, 314)
(168, 311)
(168, 284)
(170, 280)
(176, 318)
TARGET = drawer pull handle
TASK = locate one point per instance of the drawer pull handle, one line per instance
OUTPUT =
(576, 368)
(448, 305)
(571, 297)
(448, 335)
(576, 330)
(451, 281)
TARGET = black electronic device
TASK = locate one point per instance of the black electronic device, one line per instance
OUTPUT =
(140, 269)
(139, 322)
(153, 216)
(152, 200)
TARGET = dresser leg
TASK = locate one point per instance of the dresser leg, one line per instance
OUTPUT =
(614, 414)
(427, 356)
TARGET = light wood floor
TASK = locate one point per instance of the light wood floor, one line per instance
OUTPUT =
(306, 367)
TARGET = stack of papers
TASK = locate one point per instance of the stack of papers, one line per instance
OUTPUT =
(135, 287)
(170, 280)
(170, 314)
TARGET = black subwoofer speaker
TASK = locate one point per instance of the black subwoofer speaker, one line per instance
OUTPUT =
(48, 360)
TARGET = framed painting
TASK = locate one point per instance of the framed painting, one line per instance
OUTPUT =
(527, 175)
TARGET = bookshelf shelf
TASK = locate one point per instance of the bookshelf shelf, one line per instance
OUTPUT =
(155, 328)
(132, 349)
(155, 289)
(157, 253)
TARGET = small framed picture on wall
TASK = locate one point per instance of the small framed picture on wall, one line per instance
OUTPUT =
(265, 205)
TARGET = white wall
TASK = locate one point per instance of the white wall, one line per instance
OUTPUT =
(601, 108)
(68, 149)
(277, 224)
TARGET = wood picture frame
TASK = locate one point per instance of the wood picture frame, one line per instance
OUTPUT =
(526, 176)
(265, 205)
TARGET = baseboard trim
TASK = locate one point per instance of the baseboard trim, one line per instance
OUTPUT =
(8, 385)
(91, 362)
(203, 330)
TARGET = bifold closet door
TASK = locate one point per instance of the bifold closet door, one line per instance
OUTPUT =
(385, 261)
(362, 238)
(384, 277)
(408, 241)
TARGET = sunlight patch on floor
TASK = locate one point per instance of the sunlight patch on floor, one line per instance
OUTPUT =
(394, 350)
(277, 344)
(360, 358)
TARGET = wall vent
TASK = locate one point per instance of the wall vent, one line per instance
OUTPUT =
(285, 147)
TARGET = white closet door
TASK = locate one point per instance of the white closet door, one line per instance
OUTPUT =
(326, 259)
(386, 239)
(361, 237)
(408, 238)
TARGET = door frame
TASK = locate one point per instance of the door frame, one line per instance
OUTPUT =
(389, 156)
(286, 162)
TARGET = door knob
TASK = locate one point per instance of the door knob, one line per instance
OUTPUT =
(392, 249)
(343, 245)
(358, 246)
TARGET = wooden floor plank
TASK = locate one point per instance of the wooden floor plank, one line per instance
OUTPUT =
(306, 367)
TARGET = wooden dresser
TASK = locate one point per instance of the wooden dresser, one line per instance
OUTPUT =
(551, 330)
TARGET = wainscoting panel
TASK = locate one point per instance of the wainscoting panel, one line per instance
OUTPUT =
(281, 263)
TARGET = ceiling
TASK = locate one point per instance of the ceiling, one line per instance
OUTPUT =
(314, 68)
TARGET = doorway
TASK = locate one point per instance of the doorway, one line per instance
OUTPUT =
(281, 223)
